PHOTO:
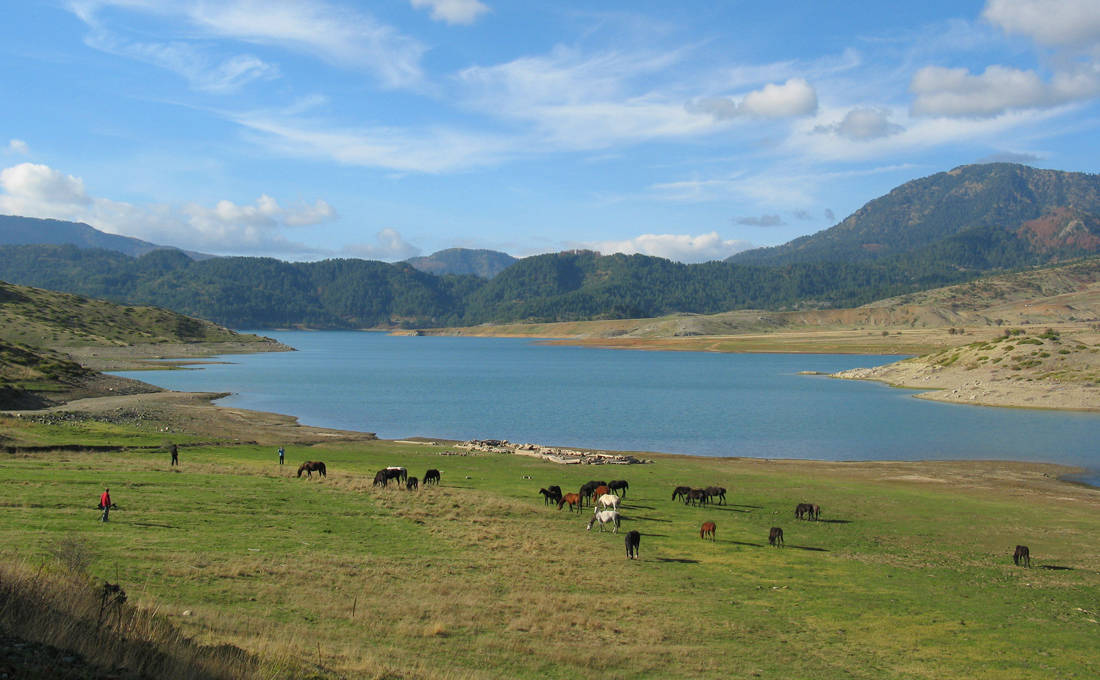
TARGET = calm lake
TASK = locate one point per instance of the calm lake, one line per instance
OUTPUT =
(677, 402)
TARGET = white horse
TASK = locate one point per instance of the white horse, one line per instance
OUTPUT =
(608, 500)
(604, 517)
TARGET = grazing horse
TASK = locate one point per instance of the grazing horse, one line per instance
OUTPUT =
(586, 491)
(716, 492)
(554, 489)
(696, 497)
(775, 537)
(608, 500)
(412, 484)
(601, 490)
(380, 478)
(619, 485)
(549, 496)
(633, 538)
(804, 511)
(311, 466)
(431, 477)
(1022, 554)
(707, 529)
(390, 473)
(681, 492)
(604, 517)
(573, 499)
(399, 473)
(817, 511)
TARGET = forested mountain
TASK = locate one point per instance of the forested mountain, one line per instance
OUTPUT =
(484, 264)
(254, 292)
(16, 230)
(944, 229)
(989, 216)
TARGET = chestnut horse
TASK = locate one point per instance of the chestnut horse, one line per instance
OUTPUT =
(775, 537)
(573, 499)
(311, 466)
(707, 529)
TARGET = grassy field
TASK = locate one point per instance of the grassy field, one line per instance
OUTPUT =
(908, 575)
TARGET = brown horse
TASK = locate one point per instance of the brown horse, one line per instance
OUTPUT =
(697, 497)
(1023, 555)
(804, 511)
(599, 491)
(311, 466)
(775, 537)
(706, 530)
(573, 499)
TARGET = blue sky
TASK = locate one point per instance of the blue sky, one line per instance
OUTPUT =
(326, 128)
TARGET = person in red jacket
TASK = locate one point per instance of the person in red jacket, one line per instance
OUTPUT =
(105, 504)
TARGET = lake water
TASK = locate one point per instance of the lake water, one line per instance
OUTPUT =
(678, 402)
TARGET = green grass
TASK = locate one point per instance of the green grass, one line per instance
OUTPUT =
(478, 579)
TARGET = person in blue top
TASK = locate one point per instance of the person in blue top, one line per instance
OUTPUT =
(282, 453)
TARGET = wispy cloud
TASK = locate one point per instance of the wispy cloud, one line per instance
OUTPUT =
(463, 12)
(388, 245)
(18, 146)
(338, 35)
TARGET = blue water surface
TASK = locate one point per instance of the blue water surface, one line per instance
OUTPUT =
(698, 403)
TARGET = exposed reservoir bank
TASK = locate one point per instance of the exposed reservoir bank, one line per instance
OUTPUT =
(710, 404)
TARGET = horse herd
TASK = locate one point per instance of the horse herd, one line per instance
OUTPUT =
(605, 508)
(382, 477)
(605, 503)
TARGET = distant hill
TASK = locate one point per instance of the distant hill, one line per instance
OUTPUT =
(484, 264)
(16, 230)
(979, 217)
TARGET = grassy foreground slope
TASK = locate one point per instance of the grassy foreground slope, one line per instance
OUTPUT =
(908, 575)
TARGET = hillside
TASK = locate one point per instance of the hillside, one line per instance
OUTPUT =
(483, 264)
(47, 339)
(989, 216)
(15, 230)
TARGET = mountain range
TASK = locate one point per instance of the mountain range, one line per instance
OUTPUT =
(947, 228)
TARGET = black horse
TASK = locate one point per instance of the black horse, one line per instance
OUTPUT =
(1022, 555)
(618, 485)
(587, 488)
(431, 477)
(681, 492)
(555, 489)
(716, 492)
(806, 511)
(380, 478)
(399, 473)
(549, 496)
(696, 497)
(775, 537)
(412, 484)
(311, 466)
(633, 538)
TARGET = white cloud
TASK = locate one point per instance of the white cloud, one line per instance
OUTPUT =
(766, 220)
(28, 185)
(18, 146)
(1055, 23)
(862, 124)
(796, 97)
(40, 191)
(338, 35)
(679, 247)
(944, 91)
(453, 11)
(388, 245)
